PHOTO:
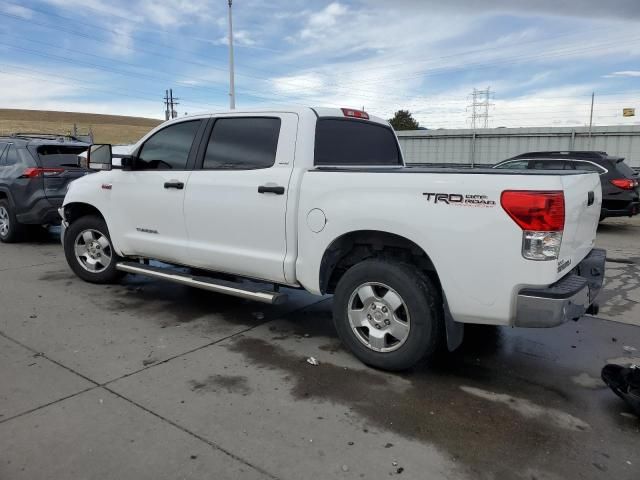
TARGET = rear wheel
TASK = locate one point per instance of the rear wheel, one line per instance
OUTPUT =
(89, 252)
(388, 313)
(10, 230)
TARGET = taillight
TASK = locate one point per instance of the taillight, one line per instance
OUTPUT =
(624, 183)
(41, 172)
(541, 217)
(348, 112)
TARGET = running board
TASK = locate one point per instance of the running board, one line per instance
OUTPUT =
(204, 283)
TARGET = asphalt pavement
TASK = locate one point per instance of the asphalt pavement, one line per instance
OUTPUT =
(149, 380)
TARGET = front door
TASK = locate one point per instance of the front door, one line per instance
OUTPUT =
(236, 200)
(148, 217)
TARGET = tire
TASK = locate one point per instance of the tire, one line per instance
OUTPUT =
(10, 230)
(402, 296)
(89, 252)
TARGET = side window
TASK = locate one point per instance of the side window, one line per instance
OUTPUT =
(548, 165)
(589, 167)
(169, 148)
(515, 165)
(242, 143)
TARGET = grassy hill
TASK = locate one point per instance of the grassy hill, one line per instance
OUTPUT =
(106, 128)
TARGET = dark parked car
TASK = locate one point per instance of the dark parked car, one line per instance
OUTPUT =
(620, 191)
(35, 170)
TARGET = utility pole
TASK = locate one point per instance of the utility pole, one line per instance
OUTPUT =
(173, 103)
(166, 105)
(170, 104)
(232, 88)
(593, 96)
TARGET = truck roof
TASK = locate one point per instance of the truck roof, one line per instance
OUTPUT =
(320, 112)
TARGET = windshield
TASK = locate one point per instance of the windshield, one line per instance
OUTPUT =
(56, 156)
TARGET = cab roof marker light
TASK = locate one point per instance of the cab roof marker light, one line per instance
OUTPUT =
(349, 112)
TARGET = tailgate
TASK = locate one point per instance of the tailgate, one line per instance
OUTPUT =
(582, 198)
(61, 164)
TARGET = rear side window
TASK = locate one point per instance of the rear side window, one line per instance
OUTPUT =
(56, 156)
(242, 144)
(550, 165)
(589, 167)
(515, 165)
(169, 148)
(11, 156)
(353, 142)
(3, 146)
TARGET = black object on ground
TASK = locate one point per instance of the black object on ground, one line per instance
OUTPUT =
(625, 382)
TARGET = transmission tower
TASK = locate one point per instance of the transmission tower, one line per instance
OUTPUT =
(480, 108)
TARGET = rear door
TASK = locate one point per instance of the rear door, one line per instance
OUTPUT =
(236, 199)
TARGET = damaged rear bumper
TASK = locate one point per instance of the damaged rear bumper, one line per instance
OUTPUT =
(567, 299)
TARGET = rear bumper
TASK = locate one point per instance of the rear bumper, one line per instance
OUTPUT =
(567, 299)
(42, 212)
(63, 224)
(632, 209)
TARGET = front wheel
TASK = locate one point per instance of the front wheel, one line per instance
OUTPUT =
(89, 252)
(388, 313)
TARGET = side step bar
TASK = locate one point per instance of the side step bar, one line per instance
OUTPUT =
(204, 283)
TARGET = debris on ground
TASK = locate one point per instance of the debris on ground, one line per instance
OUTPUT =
(345, 468)
(149, 361)
(313, 361)
(388, 445)
(394, 463)
(629, 349)
(399, 470)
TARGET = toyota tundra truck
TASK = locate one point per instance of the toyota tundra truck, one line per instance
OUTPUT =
(246, 202)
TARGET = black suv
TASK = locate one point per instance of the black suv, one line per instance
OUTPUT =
(35, 170)
(620, 191)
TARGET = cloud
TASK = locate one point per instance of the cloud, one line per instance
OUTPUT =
(241, 38)
(624, 73)
(17, 10)
(319, 22)
(628, 10)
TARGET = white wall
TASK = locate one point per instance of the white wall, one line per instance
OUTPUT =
(490, 146)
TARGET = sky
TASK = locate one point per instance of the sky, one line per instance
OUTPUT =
(541, 59)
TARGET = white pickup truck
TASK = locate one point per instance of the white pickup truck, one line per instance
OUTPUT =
(320, 199)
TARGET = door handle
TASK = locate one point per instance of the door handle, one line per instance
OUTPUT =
(590, 198)
(174, 184)
(271, 189)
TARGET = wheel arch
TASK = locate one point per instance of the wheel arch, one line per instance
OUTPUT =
(5, 194)
(75, 210)
(355, 246)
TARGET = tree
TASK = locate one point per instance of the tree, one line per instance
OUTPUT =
(403, 120)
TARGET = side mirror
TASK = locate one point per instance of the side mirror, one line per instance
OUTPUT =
(128, 162)
(99, 157)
